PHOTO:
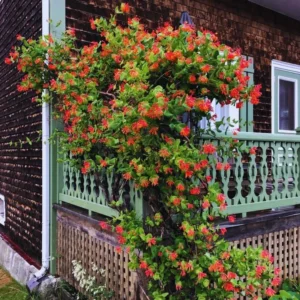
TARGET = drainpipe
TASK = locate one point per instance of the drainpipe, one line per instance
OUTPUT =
(45, 163)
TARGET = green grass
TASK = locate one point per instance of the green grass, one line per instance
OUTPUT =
(13, 291)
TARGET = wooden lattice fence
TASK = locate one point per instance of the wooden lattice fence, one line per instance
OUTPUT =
(284, 246)
(89, 247)
(80, 241)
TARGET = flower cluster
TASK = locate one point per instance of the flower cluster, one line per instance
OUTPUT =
(133, 103)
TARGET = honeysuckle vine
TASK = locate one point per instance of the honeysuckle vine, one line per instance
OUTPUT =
(132, 104)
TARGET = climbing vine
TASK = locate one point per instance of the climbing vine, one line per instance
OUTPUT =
(132, 103)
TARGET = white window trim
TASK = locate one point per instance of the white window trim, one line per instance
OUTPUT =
(283, 66)
(295, 104)
(2, 219)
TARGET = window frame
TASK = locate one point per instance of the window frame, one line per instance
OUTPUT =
(295, 81)
(3, 219)
(285, 67)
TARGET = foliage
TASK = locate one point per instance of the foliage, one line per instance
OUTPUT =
(88, 282)
(133, 103)
(290, 290)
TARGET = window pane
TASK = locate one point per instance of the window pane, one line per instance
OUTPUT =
(286, 105)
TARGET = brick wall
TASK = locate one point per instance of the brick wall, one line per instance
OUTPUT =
(20, 168)
(259, 32)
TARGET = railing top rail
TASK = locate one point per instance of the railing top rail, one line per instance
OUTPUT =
(256, 136)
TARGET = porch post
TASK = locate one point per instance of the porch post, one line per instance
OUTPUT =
(246, 112)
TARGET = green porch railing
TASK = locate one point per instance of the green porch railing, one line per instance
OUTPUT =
(93, 193)
(268, 180)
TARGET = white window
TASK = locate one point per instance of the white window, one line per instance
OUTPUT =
(285, 97)
(2, 210)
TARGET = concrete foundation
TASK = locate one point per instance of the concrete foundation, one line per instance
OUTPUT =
(16, 265)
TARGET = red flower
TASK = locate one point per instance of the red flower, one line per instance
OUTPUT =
(205, 204)
(219, 166)
(260, 270)
(235, 93)
(125, 8)
(151, 242)
(252, 150)
(209, 148)
(19, 37)
(208, 178)
(276, 281)
(201, 275)
(143, 265)
(154, 180)
(71, 31)
(127, 176)
(119, 229)
(180, 187)
(223, 206)
(190, 206)
(170, 182)
(205, 231)
(8, 61)
(225, 255)
(265, 254)
(192, 78)
(173, 256)
(121, 239)
(164, 153)
(103, 163)
(206, 68)
(270, 292)
(190, 101)
(176, 201)
(93, 25)
(103, 225)
(223, 231)
(228, 286)
(216, 267)
(191, 232)
(203, 79)
(231, 275)
(231, 219)
(195, 191)
(134, 73)
(171, 56)
(153, 130)
(221, 198)
(118, 249)
(277, 271)
(86, 167)
(227, 166)
(178, 286)
(224, 89)
(149, 273)
(239, 104)
(185, 131)
(51, 67)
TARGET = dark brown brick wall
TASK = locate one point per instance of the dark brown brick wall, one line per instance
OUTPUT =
(259, 32)
(20, 168)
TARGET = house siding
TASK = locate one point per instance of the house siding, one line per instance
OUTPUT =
(20, 167)
(258, 31)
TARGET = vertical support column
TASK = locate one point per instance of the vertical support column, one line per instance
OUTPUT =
(246, 113)
(57, 16)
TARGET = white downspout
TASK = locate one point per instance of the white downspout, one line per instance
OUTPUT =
(45, 163)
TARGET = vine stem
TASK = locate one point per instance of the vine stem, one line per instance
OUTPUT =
(108, 94)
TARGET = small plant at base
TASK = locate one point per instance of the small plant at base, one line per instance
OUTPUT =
(88, 282)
